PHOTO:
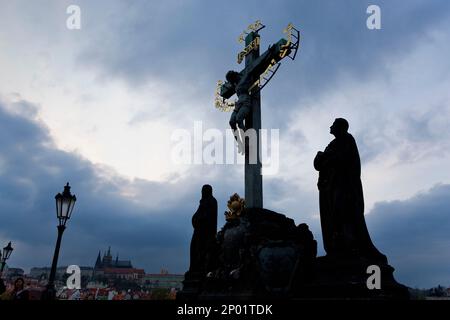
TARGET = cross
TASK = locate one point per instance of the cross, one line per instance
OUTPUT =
(260, 69)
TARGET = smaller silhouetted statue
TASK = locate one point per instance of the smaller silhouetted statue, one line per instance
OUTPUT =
(344, 228)
(203, 241)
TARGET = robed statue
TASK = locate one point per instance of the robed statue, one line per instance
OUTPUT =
(203, 241)
(343, 225)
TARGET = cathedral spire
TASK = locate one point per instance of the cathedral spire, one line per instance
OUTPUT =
(98, 262)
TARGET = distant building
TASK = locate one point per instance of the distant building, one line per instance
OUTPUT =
(163, 280)
(96, 285)
(130, 274)
(108, 262)
(11, 273)
(109, 268)
(44, 272)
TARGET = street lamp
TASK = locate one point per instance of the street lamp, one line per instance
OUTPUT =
(64, 207)
(5, 255)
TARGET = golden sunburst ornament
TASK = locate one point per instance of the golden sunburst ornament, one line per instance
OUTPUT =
(235, 205)
(221, 103)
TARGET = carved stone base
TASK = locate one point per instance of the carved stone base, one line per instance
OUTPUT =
(192, 287)
(264, 255)
(346, 278)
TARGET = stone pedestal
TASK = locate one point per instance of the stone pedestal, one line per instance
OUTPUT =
(257, 255)
(346, 278)
(192, 287)
(264, 255)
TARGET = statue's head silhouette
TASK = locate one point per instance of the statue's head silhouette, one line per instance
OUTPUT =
(207, 191)
(303, 227)
(339, 127)
(232, 76)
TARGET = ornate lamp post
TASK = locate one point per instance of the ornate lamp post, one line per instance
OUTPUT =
(5, 256)
(65, 203)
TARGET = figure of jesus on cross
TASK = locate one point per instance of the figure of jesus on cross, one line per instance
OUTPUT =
(242, 107)
(247, 84)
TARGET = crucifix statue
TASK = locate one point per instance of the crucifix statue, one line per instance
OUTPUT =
(247, 84)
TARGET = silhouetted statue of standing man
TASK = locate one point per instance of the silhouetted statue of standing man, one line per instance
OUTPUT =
(203, 241)
(344, 228)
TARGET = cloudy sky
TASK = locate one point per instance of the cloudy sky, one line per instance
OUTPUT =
(98, 106)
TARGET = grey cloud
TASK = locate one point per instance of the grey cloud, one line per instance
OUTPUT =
(195, 41)
(32, 172)
(152, 226)
(414, 234)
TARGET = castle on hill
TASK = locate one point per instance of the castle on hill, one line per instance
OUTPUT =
(108, 268)
(107, 262)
